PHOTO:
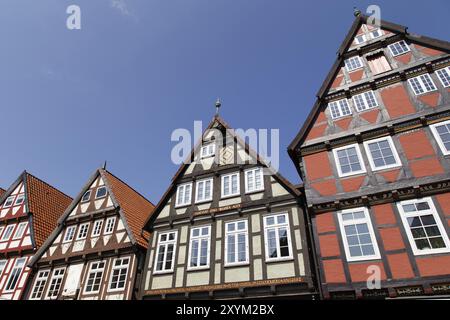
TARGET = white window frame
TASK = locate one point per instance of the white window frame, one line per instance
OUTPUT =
(182, 189)
(392, 45)
(277, 226)
(89, 192)
(437, 137)
(69, 232)
(366, 220)
(55, 277)
(79, 235)
(235, 234)
(20, 197)
(222, 184)
(208, 150)
(1, 231)
(349, 67)
(421, 82)
(166, 244)
(199, 238)
(364, 38)
(9, 227)
(11, 274)
(97, 270)
(22, 227)
(339, 107)
(397, 163)
(3, 263)
(10, 199)
(120, 268)
(365, 101)
(360, 158)
(41, 280)
(261, 177)
(405, 215)
(447, 70)
(377, 29)
(97, 228)
(109, 226)
(100, 188)
(197, 194)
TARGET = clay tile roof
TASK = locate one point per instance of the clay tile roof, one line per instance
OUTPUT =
(135, 207)
(2, 191)
(46, 204)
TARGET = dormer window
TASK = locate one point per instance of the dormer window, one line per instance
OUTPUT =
(9, 201)
(399, 48)
(208, 150)
(86, 196)
(339, 109)
(19, 200)
(353, 63)
(101, 192)
(360, 39)
(376, 33)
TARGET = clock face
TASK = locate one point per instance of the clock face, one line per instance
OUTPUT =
(227, 155)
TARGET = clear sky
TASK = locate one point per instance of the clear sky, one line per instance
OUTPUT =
(138, 69)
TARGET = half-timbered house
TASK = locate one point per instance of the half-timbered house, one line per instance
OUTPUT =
(373, 155)
(29, 210)
(97, 250)
(227, 227)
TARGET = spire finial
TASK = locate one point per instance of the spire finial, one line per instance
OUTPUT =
(218, 104)
(356, 12)
(104, 165)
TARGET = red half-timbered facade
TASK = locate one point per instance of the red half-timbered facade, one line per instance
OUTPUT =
(97, 250)
(29, 210)
(374, 158)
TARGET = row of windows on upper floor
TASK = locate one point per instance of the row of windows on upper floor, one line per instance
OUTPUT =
(83, 229)
(7, 231)
(99, 193)
(14, 200)
(230, 187)
(423, 226)
(367, 100)
(277, 242)
(382, 153)
(374, 34)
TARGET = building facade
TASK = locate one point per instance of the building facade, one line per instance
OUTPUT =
(227, 227)
(97, 250)
(374, 158)
(29, 210)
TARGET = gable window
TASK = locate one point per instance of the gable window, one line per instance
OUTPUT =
(14, 276)
(277, 238)
(20, 230)
(208, 150)
(365, 101)
(70, 232)
(97, 228)
(376, 33)
(382, 153)
(110, 222)
(19, 200)
(55, 283)
(444, 76)
(119, 274)
(254, 180)
(83, 231)
(95, 276)
(39, 285)
(399, 48)
(9, 201)
(184, 192)
(339, 108)
(8, 232)
(349, 160)
(360, 39)
(441, 132)
(165, 254)
(353, 63)
(86, 196)
(422, 84)
(358, 235)
(378, 63)
(423, 226)
(230, 185)
(100, 193)
(203, 190)
(236, 242)
(199, 247)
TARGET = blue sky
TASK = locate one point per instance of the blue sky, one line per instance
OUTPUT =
(138, 69)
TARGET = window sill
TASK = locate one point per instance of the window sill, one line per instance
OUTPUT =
(431, 252)
(203, 201)
(284, 259)
(255, 191)
(386, 168)
(425, 93)
(157, 273)
(363, 259)
(182, 206)
(230, 196)
(192, 269)
(237, 265)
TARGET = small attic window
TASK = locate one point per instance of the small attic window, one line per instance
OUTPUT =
(208, 150)
(360, 39)
(86, 196)
(376, 33)
(19, 200)
(9, 201)
(101, 192)
(399, 48)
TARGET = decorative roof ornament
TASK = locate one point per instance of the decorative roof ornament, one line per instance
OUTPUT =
(104, 165)
(218, 105)
(356, 12)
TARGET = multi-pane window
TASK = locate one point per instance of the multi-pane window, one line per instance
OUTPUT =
(353, 63)
(83, 231)
(7, 233)
(86, 196)
(349, 160)
(95, 276)
(382, 153)
(20, 230)
(208, 150)
(444, 76)
(230, 185)
(422, 84)
(14, 276)
(360, 39)
(2, 266)
(97, 229)
(199, 247)
(39, 285)
(101, 192)
(109, 228)
(70, 232)
(339, 108)
(277, 237)
(365, 100)
(423, 226)
(165, 254)
(236, 242)
(204, 190)
(376, 33)
(55, 283)
(184, 192)
(119, 274)
(358, 235)
(441, 132)
(399, 48)
(19, 200)
(9, 201)
(254, 180)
